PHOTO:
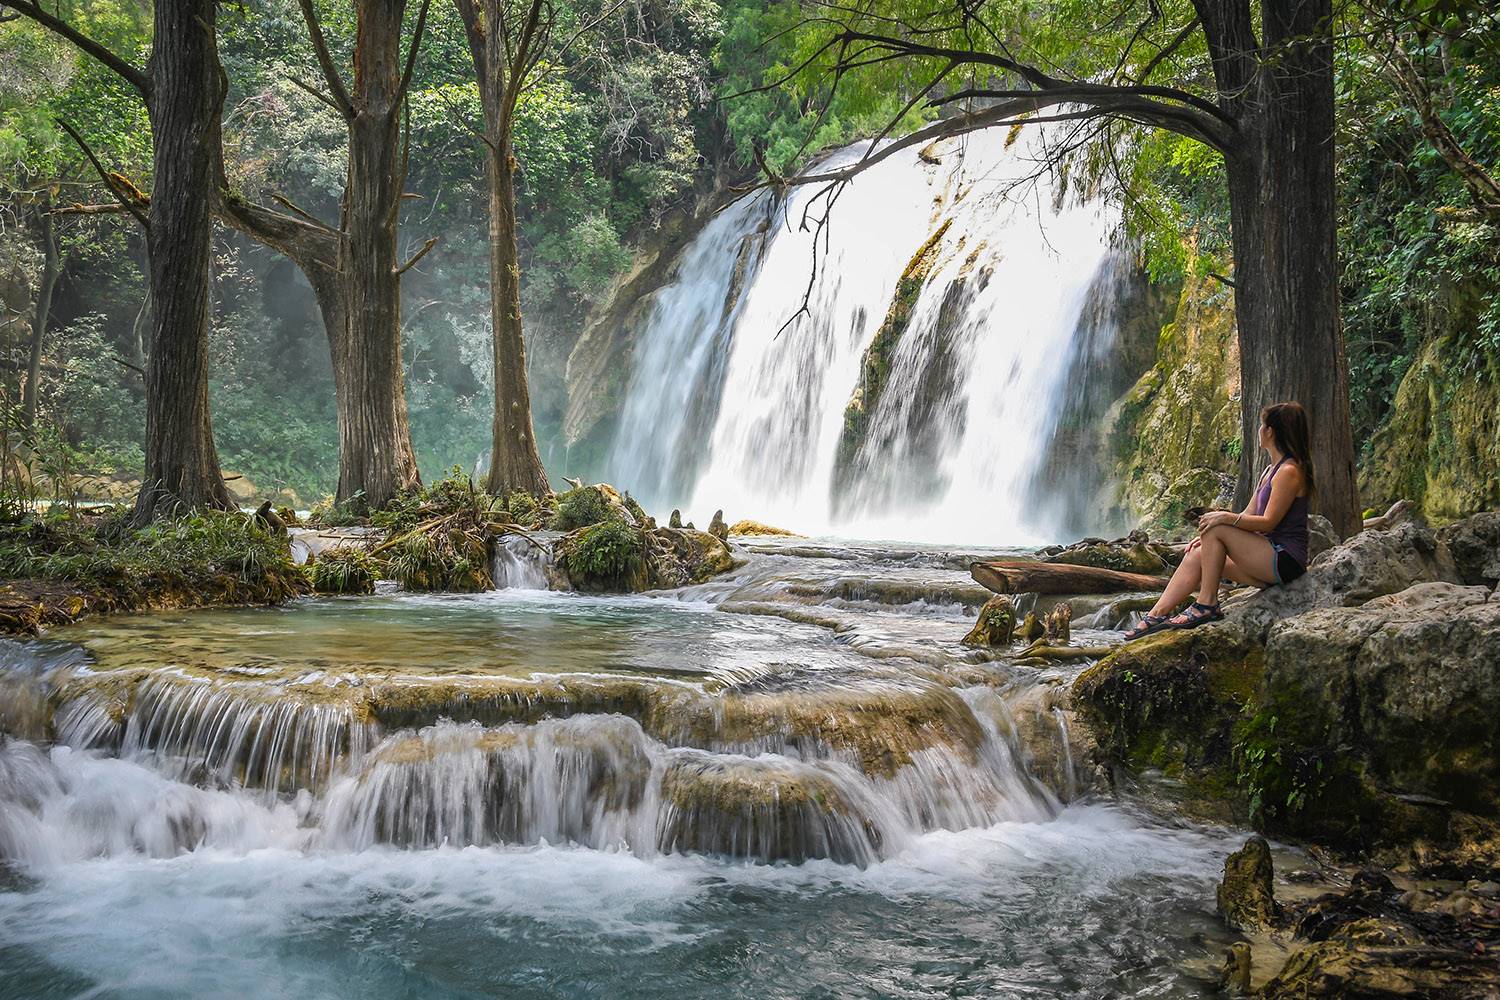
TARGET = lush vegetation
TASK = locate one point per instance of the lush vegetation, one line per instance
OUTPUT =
(630, 128)
(209, 556)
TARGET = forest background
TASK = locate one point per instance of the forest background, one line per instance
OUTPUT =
(642, 125)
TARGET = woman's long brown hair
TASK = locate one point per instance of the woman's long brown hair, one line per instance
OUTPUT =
(1288, 423)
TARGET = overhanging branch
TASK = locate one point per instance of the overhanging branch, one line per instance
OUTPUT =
(131, 73)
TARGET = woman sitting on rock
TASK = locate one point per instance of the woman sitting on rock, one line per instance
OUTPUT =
(1263, 545)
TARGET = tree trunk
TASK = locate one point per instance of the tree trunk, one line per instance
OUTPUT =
(375, 453)
(182, 467)
(50, 269)
(514, 462)
(1023, 576)
(1283, 213)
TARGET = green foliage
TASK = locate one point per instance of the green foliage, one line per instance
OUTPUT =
(207, 552)
(604, 556)
(1278, 776)
(344, 570)
(523, 508)
(579, 508)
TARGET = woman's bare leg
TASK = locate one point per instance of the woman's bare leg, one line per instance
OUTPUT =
(1188, 575)
(1244, 556)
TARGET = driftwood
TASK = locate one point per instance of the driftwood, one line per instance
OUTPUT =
(1026, 577)
(1044, 650)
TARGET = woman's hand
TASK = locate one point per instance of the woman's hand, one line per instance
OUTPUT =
(1214, 518)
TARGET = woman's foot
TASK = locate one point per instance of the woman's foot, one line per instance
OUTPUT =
(1147, 625)
(1197, 614)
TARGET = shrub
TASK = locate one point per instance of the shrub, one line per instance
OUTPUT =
(607, 556)
(580, 508)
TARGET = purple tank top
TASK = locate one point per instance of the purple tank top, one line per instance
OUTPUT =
(1291, 532)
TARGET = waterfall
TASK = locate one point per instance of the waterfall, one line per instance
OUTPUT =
(971, 268)
(520, 563)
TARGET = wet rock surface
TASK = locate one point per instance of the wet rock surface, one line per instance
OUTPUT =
(1354, 707)
(1246, 899)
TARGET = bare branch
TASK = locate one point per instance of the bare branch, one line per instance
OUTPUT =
(302, 213)
(325, 60)
(431, 242)
(314, 91)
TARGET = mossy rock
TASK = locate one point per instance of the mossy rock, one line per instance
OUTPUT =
(1137, 558)
(589, 505)
(453, 560)
(604, 557)
(1170, 702)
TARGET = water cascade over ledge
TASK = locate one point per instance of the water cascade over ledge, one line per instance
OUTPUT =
(918, 393)
(459, 795)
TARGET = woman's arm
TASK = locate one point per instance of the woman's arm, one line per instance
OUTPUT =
(1285, 486)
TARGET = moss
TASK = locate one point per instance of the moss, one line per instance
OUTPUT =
(1168, 433)
(524, 509)
(875, 368)
(1440, 446)
(64, 564)
(579, 508)
(1170, 702)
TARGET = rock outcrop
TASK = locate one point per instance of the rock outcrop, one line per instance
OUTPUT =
(1356, 706)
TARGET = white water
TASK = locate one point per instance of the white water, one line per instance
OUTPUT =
(728, 409)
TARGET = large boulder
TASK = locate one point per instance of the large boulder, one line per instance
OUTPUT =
(1355, 706)
(1371, 564)
(1475, 545)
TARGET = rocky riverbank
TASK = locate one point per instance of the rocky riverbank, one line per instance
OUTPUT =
(1354, 710)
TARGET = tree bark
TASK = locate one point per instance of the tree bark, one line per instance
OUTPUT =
(51, 266)
(182, 466)
(1284, 230)
(514, 461)
(376, 459)
(1020, 576)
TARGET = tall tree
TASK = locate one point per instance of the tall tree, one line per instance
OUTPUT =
(353, 268)
(184, 96)
(360, 293)
(1268, 111)
(510, 41)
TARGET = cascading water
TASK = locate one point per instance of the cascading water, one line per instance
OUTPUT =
(530, 793)
(946, 290)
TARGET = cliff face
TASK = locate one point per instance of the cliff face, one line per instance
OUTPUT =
(1175, 433)
(1440, 445)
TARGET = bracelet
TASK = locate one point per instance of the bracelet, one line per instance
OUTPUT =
(1237, 518)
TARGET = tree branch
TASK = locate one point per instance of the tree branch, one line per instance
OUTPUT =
(325, 59)
(416, 45)
(131, 73)
(431, 242)
(132, 200)
(1168, 49)
(314, 91)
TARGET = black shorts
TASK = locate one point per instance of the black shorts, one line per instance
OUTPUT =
(1285, 565)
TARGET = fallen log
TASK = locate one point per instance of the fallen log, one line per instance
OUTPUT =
(1020, 576)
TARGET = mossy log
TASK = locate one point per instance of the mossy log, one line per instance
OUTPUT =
(1019, 576)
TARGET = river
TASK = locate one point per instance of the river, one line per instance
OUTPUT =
(790, 782)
